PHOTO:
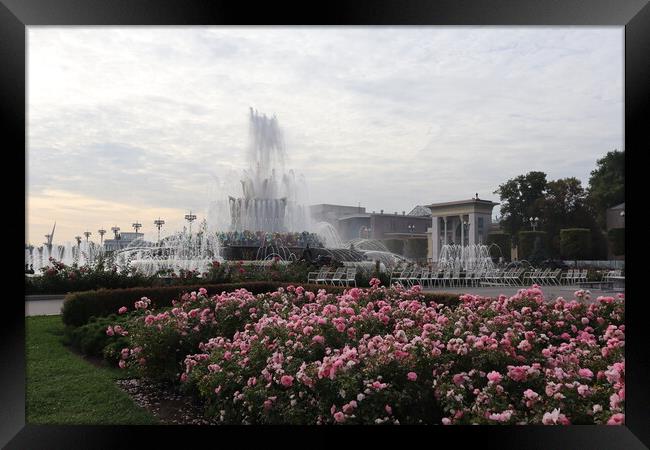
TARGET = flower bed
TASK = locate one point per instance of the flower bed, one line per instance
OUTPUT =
(80, 307)
(386, 355)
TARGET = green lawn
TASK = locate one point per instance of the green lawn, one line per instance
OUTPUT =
(62, 388)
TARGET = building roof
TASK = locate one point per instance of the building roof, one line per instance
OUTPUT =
(355, 216)
(462, 202)
(420, 210)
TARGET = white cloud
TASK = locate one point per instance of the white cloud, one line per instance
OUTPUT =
(389, 117)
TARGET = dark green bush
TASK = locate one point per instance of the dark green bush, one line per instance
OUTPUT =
(504, 243)
(533, 245)
(575, 243)
(617, 241)
(91, 338)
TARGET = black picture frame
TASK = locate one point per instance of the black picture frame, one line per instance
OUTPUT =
(634, 15)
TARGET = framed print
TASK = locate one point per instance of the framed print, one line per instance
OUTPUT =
(364, 214)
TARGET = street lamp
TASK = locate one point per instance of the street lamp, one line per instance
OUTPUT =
(534, 221)
(78, 238)
(87, 234)
(136, 226)
(115, 230)
(190, 218)
(159, 223)
(101, 232)
(411, 228)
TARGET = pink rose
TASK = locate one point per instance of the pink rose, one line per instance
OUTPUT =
(585, 373)
(122, 310)
(339, 417)
(412, 376)
(286, 380)
(494, 376)
(616, 419)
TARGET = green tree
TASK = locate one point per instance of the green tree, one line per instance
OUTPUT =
(532, 246)
(575, 243)
(520, 200)
(565, 205)
(502, 245)
(607, 184)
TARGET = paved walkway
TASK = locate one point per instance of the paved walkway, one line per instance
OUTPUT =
(43, 305)
(550, 292)
(50, 305)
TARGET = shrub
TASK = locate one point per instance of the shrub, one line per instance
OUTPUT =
(79, 307)
(92, 339)
(386, 355)
(532, 245)
(575, 243)
(504, 243)
(617, 241)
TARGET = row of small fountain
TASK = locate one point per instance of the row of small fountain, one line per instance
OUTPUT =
(455, 257)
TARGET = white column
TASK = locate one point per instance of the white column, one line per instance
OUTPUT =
(473, 229)
(445, 238)
(435, 238)
(462, 231)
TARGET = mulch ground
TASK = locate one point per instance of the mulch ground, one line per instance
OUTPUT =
(170, 407)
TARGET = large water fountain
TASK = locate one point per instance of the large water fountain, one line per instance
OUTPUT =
(262, 214)
(271, 198)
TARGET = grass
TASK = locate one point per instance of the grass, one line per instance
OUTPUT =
(63, 388)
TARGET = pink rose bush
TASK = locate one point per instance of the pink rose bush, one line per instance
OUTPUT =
(387, 356)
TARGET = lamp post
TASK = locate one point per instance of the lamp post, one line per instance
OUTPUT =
(136, 226)
(190, 218)
(411, 228)
(101, 232)
(115, 231)
(87, 234)
(159, 223)
(534, 221)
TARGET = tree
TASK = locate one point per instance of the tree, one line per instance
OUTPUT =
(502, 245)
(520, 200)
(607, 184)
(575, 243)
(565, 205)
(532, 246)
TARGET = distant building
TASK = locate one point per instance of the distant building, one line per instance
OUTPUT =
(615, 217)
(123, 241)
(404, 234)
(332, 213)
(464, 222)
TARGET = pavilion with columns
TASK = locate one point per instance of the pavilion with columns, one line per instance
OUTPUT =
(465, 222)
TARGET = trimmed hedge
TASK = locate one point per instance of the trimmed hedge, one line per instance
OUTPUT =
(503, 241)
(526, 248)
(617, 240)
(79, 307)
(575, 243)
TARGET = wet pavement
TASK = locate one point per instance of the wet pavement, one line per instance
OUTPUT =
(43, 305)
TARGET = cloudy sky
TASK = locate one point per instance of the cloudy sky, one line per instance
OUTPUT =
(133, 123)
